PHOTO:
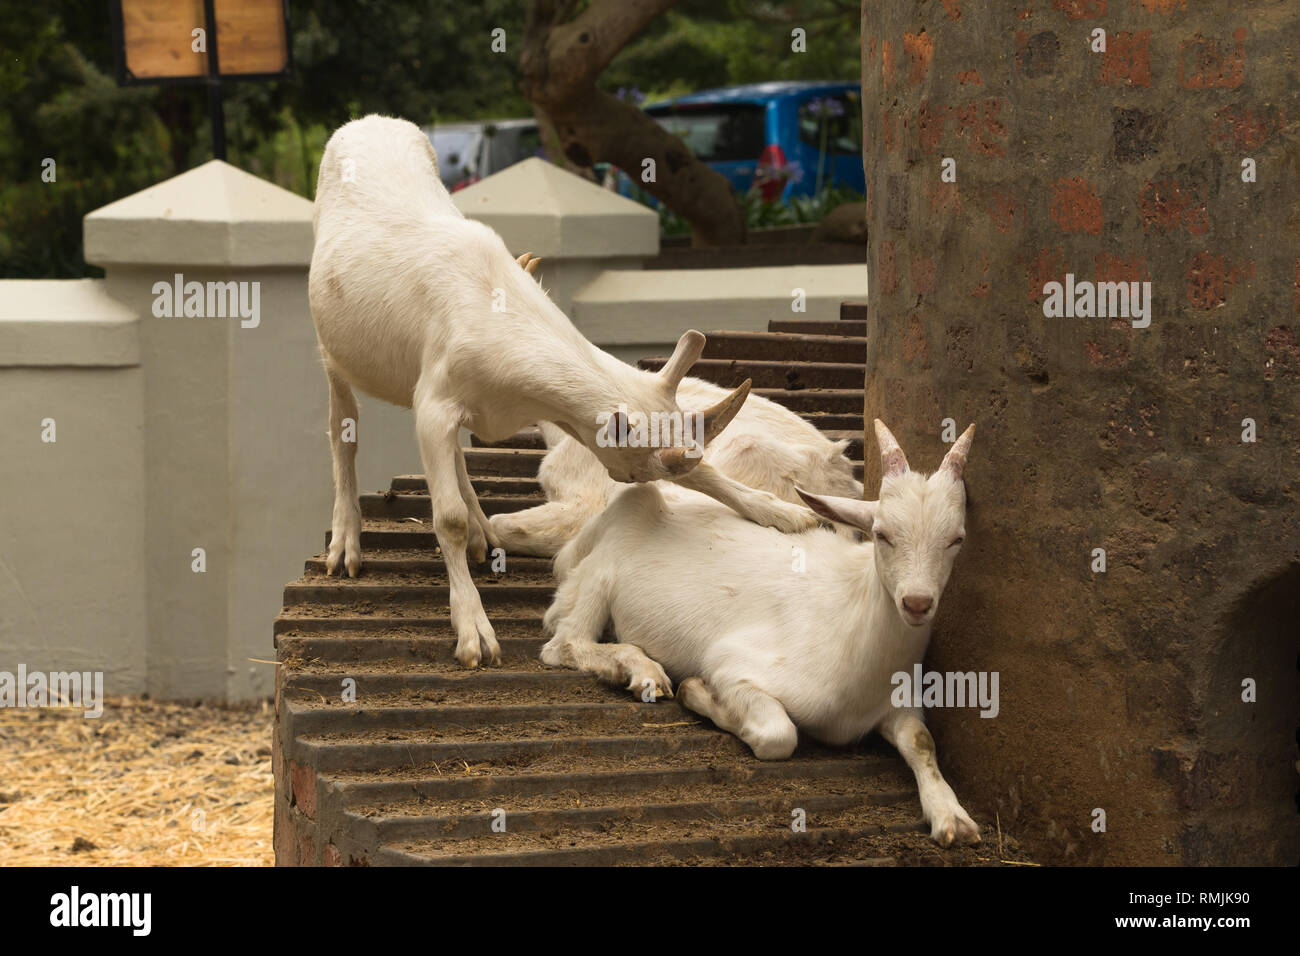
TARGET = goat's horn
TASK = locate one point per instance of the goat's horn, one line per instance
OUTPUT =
(688, 350)
(955, 461)
(522, 261)
(892, 460)
(532, 265)
(719, 416)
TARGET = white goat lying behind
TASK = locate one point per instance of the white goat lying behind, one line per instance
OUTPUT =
(764, 646)
(766, 447)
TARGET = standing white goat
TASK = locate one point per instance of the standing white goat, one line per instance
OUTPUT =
(419, 306)
(759, 641)
(766, 446)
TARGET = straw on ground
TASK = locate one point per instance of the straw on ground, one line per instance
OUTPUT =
(147, 784)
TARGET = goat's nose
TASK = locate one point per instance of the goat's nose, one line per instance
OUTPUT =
(917, 604)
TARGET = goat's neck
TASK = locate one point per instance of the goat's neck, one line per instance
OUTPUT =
(573, 384)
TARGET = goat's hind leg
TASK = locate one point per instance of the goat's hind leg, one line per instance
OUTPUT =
(437, 426)
(753, 715)
(578, 618)
(481, 534)
(345, 527)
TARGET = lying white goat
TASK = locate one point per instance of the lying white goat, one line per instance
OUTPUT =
(766, 446)
(764, 631)
(419, 306)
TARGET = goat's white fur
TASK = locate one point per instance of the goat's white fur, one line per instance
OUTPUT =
(419, 306)
(759, 646)
(766, 447)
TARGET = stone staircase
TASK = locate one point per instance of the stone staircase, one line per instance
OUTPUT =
(527, 765)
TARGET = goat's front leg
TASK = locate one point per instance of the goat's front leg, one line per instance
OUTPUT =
(760, 507)
(437, 426)
(345, 528)
(948, 821)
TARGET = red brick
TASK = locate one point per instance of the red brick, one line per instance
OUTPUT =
(304, 788)
(1076, 207)
(1166, 206)
(919, 48)
(1081, 9)
(924, 280)
(1203, 64)
(1127, 59)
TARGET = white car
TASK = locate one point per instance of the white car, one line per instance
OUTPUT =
(468, 152)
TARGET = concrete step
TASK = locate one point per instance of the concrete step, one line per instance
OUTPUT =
(605, 778)
(816, 400)
(755, 836)
(784, 347)
(389, 589)
(535, 824)
(501, 462)
(834, 422)
(853, 311)
(790, 376)
(365, 615)
(854, 327)
(347, 648)
(432, 723)
(530, 437)
(413, 753)
(423, 561)
(382, 683)
(392, 506)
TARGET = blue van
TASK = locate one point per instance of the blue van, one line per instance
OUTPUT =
(785, 138)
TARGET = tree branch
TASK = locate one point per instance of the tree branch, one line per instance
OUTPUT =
(589, 43)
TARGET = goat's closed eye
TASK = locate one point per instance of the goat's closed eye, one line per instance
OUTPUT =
(883, 538)
(956, 541)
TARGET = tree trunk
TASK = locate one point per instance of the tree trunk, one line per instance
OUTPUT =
(561, 62)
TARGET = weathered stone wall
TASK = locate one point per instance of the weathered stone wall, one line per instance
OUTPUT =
(1120, 690)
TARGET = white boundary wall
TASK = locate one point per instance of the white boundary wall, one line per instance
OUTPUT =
(176, 433)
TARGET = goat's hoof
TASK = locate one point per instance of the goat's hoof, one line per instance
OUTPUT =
(954, 827)
(469, 655)
(791, 519)
(644, 679)
(479, 646)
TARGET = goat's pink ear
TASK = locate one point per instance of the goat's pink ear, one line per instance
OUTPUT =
(688, 350)
(892, 460)
(954, 463)
(850, 511)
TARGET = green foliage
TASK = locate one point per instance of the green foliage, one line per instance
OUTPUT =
(425, 60)
(764, 214)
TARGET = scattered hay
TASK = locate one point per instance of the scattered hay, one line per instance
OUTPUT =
(147, 784)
